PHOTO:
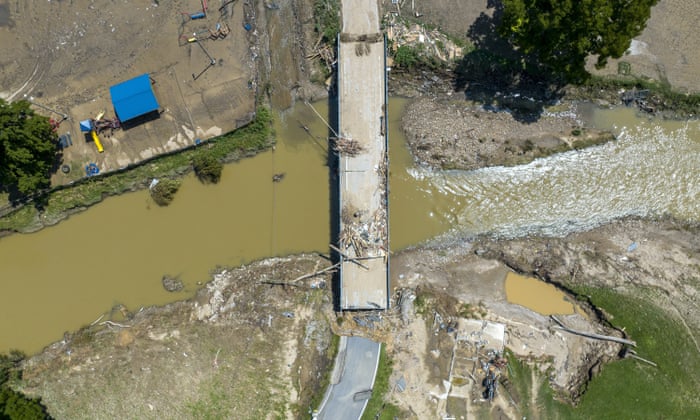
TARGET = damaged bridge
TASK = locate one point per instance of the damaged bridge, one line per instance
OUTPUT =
(362, 147)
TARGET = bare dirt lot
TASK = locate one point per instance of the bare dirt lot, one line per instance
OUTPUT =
(65, 54)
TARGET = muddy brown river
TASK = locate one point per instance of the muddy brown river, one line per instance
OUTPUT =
(66, 276)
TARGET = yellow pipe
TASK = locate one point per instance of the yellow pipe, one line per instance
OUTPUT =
(97, 142)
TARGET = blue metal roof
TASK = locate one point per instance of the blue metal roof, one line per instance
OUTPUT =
(133, 98)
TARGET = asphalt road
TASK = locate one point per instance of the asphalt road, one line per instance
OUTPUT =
(356, 367)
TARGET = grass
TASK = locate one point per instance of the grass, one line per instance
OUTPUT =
(246, 141)
(377, 406)
(629, 389)
(325, 381)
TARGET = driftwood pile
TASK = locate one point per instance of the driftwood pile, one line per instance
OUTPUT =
(324, 52)
(347, 146)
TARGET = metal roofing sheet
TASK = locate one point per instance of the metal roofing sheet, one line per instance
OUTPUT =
(133, 98)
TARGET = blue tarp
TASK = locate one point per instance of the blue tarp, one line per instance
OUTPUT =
(133, 98)
(85, 126)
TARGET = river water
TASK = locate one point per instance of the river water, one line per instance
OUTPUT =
(65, 276)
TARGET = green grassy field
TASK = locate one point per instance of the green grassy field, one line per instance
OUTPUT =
(629, 389)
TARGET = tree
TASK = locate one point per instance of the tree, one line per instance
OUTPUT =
(27, 147)
(15, 405)
(563, 33)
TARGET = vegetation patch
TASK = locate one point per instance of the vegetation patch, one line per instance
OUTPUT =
(627, 388)
(164, 191)
(327, 19)
(377, 407)
(660, 94)
(207, 168)
(13, 404)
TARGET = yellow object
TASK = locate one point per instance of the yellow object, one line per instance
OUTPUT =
(97, 142)
(100, 115)
(193, 39)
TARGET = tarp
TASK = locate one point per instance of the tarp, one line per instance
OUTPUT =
(85, 126)
(133, 98)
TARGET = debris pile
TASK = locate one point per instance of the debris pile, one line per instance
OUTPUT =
(431, 42)
(366, 236)
(347, 146)
(325, 53)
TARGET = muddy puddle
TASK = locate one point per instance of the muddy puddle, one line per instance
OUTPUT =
(66, 276)
(537, 295)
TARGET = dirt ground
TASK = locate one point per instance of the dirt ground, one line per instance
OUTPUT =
(65, 54)
(443, 368)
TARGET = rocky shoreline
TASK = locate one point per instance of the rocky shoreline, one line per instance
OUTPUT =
(448, 132)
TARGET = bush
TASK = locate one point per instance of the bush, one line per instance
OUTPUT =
(208, 168)
(405, 57)
(327, 17)
(164, 191)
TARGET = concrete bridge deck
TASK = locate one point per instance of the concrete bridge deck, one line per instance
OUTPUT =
(363, 159)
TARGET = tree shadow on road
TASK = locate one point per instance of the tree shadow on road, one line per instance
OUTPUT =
(500, 77)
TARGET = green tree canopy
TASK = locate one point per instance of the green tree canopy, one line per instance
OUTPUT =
(562, 33)
(27, 147)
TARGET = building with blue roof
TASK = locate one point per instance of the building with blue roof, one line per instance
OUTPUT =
(133, 98)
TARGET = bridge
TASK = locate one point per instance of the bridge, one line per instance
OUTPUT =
(363, 197)
(362, 146)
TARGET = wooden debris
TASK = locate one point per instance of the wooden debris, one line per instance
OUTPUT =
(593, 336)
(347, 146)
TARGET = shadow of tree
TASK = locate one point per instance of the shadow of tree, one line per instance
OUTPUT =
(499, 76)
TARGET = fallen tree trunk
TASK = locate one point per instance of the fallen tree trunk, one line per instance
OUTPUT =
(593, 336)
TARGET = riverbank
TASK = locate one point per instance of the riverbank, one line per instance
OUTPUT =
(244, 337)
(62, 202)
(262, 305)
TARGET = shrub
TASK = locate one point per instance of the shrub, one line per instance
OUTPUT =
(164, 191)
(208, 168)
(406, 57)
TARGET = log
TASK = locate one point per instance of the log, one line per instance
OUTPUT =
(344, 255)
(114, 324)
(316, 273)
(593, 336)
(634, 356)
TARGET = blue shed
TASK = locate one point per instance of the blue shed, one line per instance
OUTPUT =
(133, 98)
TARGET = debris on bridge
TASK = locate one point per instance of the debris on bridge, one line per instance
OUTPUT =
(347, 146)
(366, 236)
